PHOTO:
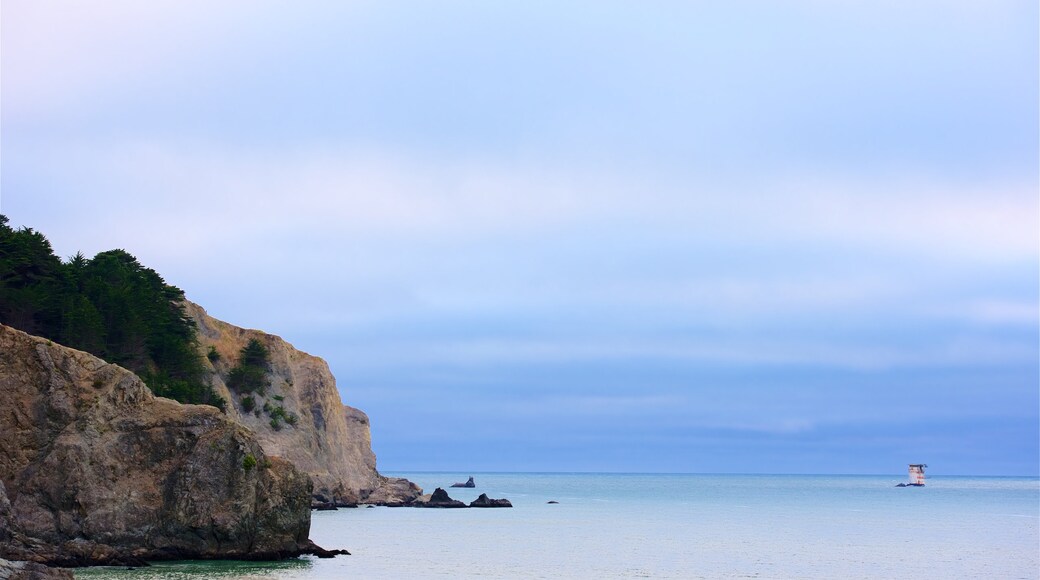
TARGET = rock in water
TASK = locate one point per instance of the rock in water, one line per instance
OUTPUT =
(469, 483)
(440, 499)
(326, 439)
(97, 470)
(485, 502)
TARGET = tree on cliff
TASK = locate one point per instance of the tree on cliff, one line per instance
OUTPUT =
(250, 374)
(110, 306)
(29, 279)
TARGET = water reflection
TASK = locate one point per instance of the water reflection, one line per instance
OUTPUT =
(198, 570)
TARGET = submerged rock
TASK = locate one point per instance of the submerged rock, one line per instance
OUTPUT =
(97, 470)
(469, 483)
(485, 502)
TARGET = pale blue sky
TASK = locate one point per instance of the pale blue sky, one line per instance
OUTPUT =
(795, 236)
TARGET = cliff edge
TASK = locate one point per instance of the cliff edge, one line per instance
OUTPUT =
(96, 470)
(313, 429)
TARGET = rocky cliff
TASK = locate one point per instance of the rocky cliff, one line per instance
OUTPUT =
(95, 469)
(313, 429)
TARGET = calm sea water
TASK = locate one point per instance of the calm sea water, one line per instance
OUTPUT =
(673, 526)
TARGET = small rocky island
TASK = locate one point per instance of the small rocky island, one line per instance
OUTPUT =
(469, 483)
(485, 502)
(440, 499)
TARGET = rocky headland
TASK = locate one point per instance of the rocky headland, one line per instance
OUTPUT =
(95, 469)
(300, 417)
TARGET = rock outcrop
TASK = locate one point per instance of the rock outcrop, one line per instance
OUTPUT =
(97, 470)
(469, 483)
(329, 440)
(486, 502)
(31, 571)
(438, 499)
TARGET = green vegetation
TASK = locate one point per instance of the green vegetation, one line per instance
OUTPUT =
(250, 374)
(248, 403)
(213, 355)
(110, 306)
(279, 414)
(248, 462)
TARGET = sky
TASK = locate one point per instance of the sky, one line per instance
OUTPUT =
(797, 236)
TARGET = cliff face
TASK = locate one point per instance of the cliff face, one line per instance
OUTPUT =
(329, 440)
(95, 469)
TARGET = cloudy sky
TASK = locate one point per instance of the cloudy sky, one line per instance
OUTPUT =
(797, 236)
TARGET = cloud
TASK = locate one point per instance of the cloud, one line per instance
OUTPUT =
(453, 197)
(337, 192)
(769, 271)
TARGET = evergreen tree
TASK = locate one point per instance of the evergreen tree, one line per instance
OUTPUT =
(110, 306)
(250, 374)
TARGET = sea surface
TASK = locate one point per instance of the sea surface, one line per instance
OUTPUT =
(672, 526)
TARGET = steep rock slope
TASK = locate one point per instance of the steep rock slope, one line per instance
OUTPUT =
(98, 470)
(329, 440)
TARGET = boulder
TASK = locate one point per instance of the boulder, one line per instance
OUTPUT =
(469, 483)
(440, 499)
(485, 502)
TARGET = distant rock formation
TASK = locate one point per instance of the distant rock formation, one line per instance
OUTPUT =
(552, 501)
(439, 499)
(96, 470)
(329, 441)
(469, 483)
(485, 502)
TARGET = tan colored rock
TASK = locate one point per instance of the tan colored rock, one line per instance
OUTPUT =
(97, 469)
(330, 441)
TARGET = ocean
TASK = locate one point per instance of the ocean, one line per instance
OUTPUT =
(672, 526)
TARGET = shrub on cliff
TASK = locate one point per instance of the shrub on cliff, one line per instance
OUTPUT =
(250, 374)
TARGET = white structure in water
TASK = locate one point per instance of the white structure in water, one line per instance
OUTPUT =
(917, 473)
